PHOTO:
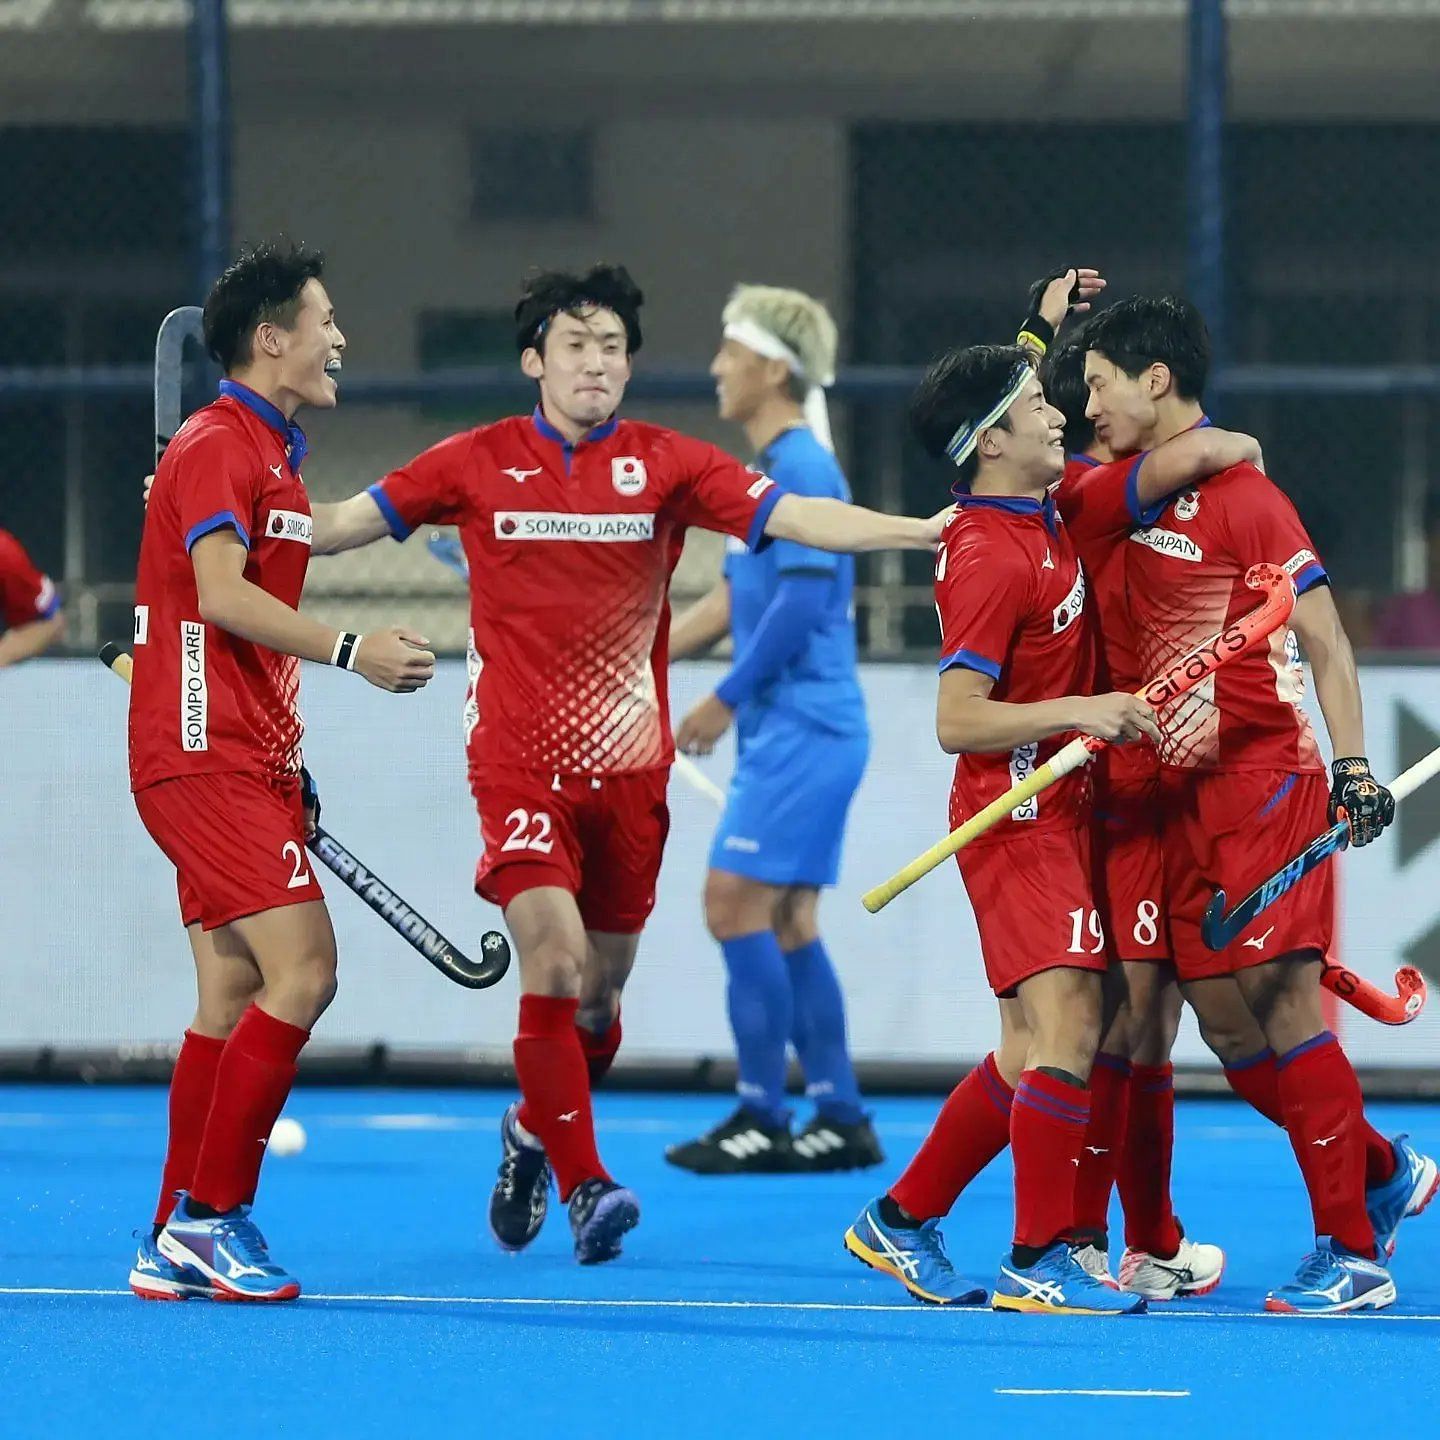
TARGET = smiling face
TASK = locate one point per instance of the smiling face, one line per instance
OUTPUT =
(744, 380)
(582, 363)
(1031, 443)
(307, 354)
(1122, 407)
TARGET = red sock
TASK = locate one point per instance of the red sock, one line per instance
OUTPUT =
(550, 1066)
(1104, 1136)
(1253, 1080)
(191, 1087)
(1325, 1117)
(600, 1049)
(1047, 1134)
(1145, 1158)
(1379, 1157)
(972, 1128)
(252, 1084)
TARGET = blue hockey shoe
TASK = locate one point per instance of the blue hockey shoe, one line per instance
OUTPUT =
(1331, 1281)
(153, 1277)
(915, 1256)
(229, 1251)
(1406, 1193)
(1058, 1284)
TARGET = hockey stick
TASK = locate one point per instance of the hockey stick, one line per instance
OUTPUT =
(409, 924)
(1219, 929)
(448, 551)
(1184, 675)
(176, 328)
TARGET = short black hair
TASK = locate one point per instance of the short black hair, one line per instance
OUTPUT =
(1063, 376)
(961, 386)
(549, 293)
(262, 284)
(1136, 333)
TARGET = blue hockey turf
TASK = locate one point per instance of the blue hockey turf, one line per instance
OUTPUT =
(734, 1311)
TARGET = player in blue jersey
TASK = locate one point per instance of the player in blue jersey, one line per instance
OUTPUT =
(803, 740)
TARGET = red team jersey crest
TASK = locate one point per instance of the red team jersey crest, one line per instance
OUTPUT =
(1011, 593)
(571, 548)
(1188, 572)
(26, 595)
(205, 701)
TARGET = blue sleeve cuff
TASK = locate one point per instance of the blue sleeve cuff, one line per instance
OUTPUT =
(52, 609)
(398, 528)
(970, 661)
(1141, 516)
(756, 538)
(1311, 576)
(217, 522)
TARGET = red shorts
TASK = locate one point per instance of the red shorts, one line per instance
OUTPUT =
(600, 837)
(236, 840)
(1034, 906)
(1229, 832)
(1130, 886)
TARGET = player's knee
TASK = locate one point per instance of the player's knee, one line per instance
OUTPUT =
(733, 908)
(310, 985)
(552, 965)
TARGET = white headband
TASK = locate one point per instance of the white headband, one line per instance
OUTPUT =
(770, 346)
(965, 439)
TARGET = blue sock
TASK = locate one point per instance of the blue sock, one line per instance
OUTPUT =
(819, 1034)
(761, 1008)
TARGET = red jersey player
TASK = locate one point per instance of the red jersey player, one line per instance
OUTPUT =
(1243, 783)
(572, 521)
(1018, 663)
(29, 605)
(1131, 1130)
(215, 759)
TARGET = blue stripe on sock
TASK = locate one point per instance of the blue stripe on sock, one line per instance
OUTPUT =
(1258, 1058)
(1314, 1043)
(1049, 1105)
(1002, 1098)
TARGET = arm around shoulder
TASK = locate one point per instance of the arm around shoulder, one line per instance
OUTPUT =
(827, 524)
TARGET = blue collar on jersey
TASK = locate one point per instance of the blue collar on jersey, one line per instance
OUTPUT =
(763, 458)
(294, 437)
(1014, 505)
(603, 431)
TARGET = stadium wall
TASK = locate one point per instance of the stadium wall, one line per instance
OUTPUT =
(93, 963)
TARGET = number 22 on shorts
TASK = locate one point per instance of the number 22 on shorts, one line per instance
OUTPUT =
(528, 831)
(301, 876)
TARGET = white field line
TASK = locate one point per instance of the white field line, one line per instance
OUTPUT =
(799, 1306)
(1112, 1394)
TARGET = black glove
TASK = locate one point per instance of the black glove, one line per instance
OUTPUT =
(309, 796)
(1367, 804)
(1038, 289)
(1037, 334)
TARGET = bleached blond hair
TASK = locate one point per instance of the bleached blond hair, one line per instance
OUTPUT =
(794, 318)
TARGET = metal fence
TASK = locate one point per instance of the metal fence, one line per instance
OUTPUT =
(914, 162)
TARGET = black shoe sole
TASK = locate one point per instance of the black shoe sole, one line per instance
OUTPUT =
(615, 1215)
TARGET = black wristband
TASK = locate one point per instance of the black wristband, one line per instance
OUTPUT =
(347, 649)
(1037, 331)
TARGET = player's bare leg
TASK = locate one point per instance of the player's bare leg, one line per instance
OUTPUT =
(292, 948)
(551, 1067)
(609, 959)
(1048, 1120)
(227, 981)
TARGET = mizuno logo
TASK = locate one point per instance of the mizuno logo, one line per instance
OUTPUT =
(568, 1115)
(518, 475)
(1328, 1140)
(1098, 1149)
(275, 471)
(1258, 941)
(1048, 563)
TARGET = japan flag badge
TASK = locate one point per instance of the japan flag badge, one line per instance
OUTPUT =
(627, 475)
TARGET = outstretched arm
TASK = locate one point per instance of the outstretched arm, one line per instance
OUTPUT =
(348, 525)
(827, 524)
(1191, 458)
(24, 642)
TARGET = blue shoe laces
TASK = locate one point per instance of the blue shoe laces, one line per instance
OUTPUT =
(1314, 1269)
(243, 1235)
